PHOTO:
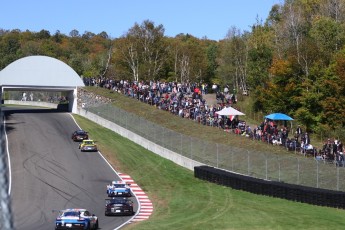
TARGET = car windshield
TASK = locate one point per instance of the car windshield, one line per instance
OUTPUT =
(80, 132)
(88, 142)
(119, 201)
(71, 213)
(119, 185)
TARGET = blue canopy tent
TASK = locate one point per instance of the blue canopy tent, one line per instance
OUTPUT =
(279, 116)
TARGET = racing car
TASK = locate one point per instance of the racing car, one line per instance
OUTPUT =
(119, 206)
(76, 218)
(88, 145)
(118, 188)
(79, 135)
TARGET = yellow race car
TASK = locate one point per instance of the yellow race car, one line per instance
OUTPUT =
(88, 146)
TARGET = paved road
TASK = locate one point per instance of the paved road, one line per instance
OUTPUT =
(50, 173)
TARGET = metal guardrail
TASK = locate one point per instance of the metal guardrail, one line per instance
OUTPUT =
(5, 202)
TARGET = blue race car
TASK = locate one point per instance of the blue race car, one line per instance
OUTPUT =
(118, 188)
(76, 219)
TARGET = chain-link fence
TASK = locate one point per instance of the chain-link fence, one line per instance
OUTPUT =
(265, 165)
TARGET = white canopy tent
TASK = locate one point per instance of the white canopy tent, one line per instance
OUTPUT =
(229, 111)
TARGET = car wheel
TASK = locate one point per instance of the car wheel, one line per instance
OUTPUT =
(96, 226)
(88, 226)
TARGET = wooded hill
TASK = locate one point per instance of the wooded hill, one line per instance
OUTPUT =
(293, 62)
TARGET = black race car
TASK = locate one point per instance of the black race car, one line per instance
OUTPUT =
(119, 206)
(80, 135)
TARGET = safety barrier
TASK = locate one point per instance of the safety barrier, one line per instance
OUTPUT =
(298, 193)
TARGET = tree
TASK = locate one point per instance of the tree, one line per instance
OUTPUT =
(260, 55)
(43, 34)
(74, 33)
(88, 35)
(144, 50)
(9, 48)
(127, 58)
(234, 60)
(327, 34)
(212, 53)
(104, 35)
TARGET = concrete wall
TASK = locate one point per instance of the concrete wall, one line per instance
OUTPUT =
(32, 103)
(159, 150)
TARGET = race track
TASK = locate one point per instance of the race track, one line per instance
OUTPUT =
(50, 173)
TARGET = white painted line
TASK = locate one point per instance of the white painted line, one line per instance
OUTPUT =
(138, 192)
(125, 177)
(146, 203)
(9, 161)
(140, 216)
(144, 214)
(146, 210)
(139, 219)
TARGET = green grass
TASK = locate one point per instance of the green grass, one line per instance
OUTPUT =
(183, 202)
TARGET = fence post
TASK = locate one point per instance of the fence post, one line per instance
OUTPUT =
(154, 134)
(248, 161)
(337, 178)
(266, 167)
(191, 148)
(181, 143)
(162, 140)
(217, 155)
(126, 121)
(278, 169)
(232, 161)
(171, 145)
(317, 174)
(297, 170)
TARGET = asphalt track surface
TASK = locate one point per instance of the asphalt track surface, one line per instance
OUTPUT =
(49, 172)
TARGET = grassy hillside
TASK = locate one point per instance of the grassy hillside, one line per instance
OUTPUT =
(185, 126)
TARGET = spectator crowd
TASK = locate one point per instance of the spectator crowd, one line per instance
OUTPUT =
(186, 101)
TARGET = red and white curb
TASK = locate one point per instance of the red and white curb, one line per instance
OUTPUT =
(146, 207)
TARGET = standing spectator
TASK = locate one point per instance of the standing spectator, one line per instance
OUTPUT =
(226, 89)
(335, 147)
(298, 132)
(306, 139)
(24, 96)
(215, 87)
(340, 147)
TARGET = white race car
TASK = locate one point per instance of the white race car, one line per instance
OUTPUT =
(118, 188)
